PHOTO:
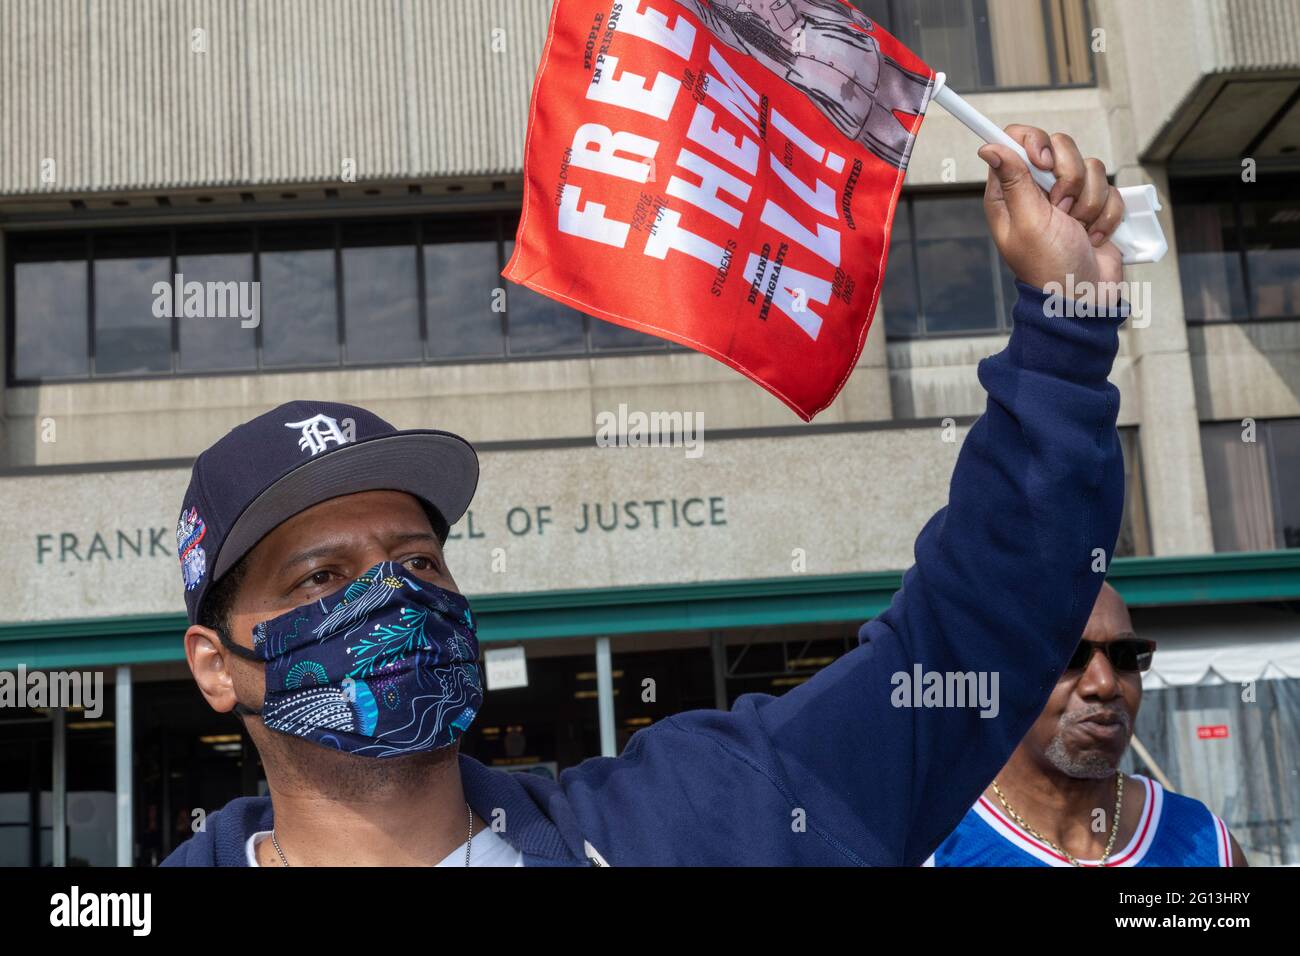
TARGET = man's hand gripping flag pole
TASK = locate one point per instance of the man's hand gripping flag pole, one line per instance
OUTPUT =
(1138, 236)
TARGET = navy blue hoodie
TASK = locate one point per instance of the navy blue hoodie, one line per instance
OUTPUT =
(833, 772)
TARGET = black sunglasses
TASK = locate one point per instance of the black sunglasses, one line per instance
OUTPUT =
(1130, 655)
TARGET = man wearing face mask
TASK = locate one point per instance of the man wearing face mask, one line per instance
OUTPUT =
(351, 635)
(322, 610)
(1042, 808)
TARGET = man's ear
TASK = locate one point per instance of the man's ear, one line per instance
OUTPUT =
(207, 660)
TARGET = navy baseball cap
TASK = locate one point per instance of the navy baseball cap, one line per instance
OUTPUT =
(265, 471)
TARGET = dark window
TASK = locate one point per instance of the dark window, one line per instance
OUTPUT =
(299, 298)
(51, 296)
(464, 293)
(1134, 535)
(1270, 234)
(1209, 261)
(899, 295)
(994, 44)
(326, 293)
(1250, 476)
(381, 302)
(607, 335)
(221, 262)
(958, 264)
(1238, 249)
(944, 275)
(1284, 450)
(132, 280)
(26, 767)
(538, 324)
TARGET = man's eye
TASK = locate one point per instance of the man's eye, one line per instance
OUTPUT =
(320, 578)
(420, 563)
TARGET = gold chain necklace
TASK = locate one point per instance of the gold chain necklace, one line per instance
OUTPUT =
(1114, 827)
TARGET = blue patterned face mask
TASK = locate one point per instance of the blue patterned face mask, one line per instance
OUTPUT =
(388, 666)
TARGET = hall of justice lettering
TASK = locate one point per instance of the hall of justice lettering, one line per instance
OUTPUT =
(652, 514)
(699, 181)
(647, 514)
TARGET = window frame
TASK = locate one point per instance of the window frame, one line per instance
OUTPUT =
(1052, 64)
(501, 222)
(1235, 195)
(1264, 429)
(1136, 514)
(1002, 308)
(11, 316)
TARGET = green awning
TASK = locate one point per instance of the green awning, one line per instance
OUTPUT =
(1231, 578)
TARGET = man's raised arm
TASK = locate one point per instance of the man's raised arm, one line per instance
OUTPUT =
(1004, 579)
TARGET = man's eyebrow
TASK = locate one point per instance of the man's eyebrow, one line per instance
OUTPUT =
(329, 550)
(403, 536)
(324, 551)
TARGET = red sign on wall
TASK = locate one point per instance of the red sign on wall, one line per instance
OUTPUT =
(723, 174)
(1211, 731)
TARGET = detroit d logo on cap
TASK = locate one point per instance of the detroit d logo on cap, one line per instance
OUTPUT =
(319, 430)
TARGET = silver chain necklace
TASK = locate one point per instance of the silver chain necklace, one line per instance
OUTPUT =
(469, 840)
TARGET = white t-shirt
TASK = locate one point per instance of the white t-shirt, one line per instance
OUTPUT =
(489, 850)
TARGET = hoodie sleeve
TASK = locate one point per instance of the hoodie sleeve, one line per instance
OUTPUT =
(848, 768)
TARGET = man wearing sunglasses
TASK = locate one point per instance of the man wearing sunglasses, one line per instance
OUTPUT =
(1061, 799)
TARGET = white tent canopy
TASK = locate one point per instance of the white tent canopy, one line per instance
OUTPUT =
(1218, 655)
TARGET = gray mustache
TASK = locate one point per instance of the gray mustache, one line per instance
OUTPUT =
(1118, 713)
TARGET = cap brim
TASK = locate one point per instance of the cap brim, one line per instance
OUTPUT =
(437, 467)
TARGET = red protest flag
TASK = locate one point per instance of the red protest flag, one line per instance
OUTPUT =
(723, 174)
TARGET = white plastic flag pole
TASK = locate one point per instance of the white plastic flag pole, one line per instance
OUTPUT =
(1138, 237)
